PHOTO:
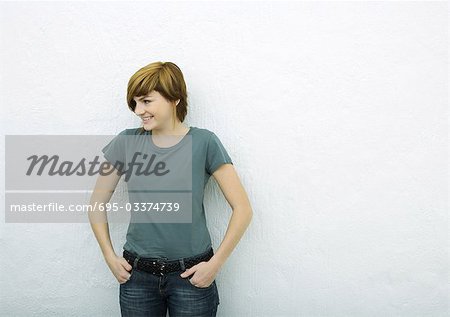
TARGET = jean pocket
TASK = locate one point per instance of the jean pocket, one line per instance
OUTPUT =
(129, 279)
(197, 287)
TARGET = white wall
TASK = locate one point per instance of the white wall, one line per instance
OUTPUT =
(334, 114)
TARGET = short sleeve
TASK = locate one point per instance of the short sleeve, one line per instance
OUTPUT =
(216, 154)
(114, 151)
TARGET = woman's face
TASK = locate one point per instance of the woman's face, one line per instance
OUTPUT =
(154, 110)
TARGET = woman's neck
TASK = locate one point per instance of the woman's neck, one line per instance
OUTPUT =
(179, 129)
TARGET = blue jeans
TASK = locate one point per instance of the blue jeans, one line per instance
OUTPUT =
(146, 294)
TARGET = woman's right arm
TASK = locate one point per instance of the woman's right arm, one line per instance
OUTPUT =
(103, 190)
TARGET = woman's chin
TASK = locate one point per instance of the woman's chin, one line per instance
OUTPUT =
(147, 126)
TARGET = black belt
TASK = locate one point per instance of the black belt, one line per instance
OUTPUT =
(161, 266)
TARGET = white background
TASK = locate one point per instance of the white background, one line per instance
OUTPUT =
(334, 113)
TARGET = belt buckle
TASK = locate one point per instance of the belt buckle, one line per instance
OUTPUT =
(161, 265)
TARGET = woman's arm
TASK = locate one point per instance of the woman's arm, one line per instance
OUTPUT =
(234, 192)
(103, 190)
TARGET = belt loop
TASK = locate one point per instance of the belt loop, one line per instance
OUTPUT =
(183, 267)
(135, 262)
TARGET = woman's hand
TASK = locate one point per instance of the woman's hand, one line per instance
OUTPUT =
(119, 267)
(204, 273)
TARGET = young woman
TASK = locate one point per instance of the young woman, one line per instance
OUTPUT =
(169, 265)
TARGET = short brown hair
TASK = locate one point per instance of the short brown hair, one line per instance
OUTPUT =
(164, 77)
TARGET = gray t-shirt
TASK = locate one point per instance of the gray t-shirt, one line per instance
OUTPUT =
(173, 240)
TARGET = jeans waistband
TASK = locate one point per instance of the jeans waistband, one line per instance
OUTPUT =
(165, 259)
(174, 264)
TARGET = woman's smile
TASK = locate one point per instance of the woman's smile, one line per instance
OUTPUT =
(147, 118)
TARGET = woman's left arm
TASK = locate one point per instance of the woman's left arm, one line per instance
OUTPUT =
(230, 184)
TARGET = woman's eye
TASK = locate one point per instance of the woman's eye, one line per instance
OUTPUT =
(145, 101)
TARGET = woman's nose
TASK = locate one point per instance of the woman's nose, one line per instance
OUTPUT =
(138, 109)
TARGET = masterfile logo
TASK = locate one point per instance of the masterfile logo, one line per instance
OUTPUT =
(51, 178)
